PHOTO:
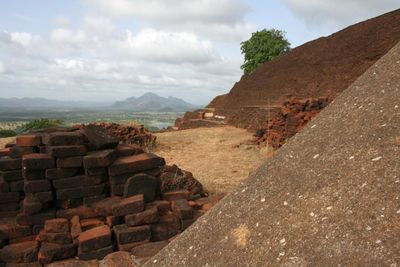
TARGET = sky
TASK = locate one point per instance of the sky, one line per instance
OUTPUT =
(102, 50)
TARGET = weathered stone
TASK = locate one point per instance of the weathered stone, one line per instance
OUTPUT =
(126, 235)
(14, 231)
(119, 259)
(22, 239)
(135, 164)
(8, 164)
(99, 159)
(37, 228)
(43, 197)
(66, 151)
(37, 162)
(117, 189)
(75, 227)
(4, 186)
(31, 205)
(61, 173)
(64, 139)
(148, 216)
(50, 252)
(94, 239)
(36, 186)
(59, 225)
(141, 184)
(38, 218)
(28, 140)
(17, 152)
(69, 203)
(149, 249)
(24, 252)
(55, 238)
(98, 254)
(33, 174)
(129, 246)
(87, 201)
(99, 138)
(126, 150)
(10, 176)
(9, 197)
(88, 224)
(114, 220)
(71, 162)
(79, 192)
(17, 186)
(104, 207)
(5, 152)
(175, 195)
(95, 171)
(9, 207)
(168, 226)
(128, 206)
(182, 209)
(186, 223)
(81, 211)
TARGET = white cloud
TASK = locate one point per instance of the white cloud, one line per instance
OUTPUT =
(21, 38)
(336, 14)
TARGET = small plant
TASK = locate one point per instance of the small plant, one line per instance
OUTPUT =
(42, 123)
(7, 133)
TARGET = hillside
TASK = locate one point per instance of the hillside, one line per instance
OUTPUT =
(324, 67)
(151, 102)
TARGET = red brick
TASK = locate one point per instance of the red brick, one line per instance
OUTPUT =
(56, 238)
(117, 189)
(99, 138)
(128, 206)
(64, 139)
(114, 220)
(17, 152)
(8, 164)
(9, 197)
(37, 186)
(17, 186)
(98, 254)
(69, 203)
(87, 201)
(4, 186)
(10, 176)
(135, 164)
(119, 259)
(94, 239)
(175, 195)
(60, 173)
(50, 252)
(72, 162)
(163, 206)
(5, 152)
(9, 145)
(74, 263)
(168, 226)
(31, 205)
(75, 227)
(59, 225)
(43, 197)
(66, 151)
(38, 218)
(29, 140)
(126, 150)
(149, 249)
(22, 239)
(95, 171)
(126, 235)
(182, 209)
(104, 207)
(88, 224)
(37, 162)
(20, 252)
(99, 159)
(37, 228)
(80, 192)
(146, 217)
(186, 223)
(82, 212)
(129, 246)
(33, 174)
(13, 231)
(141, 184)
(12, 206)
(77, 181)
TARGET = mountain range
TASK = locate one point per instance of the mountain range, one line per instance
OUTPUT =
(148, 102)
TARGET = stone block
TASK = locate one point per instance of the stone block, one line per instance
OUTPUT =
(80, 192)
(55, 238)
(31, 205)
(74, 263)
(10, 176)
(28, 140)
(75, 227)
(71, 162)
(135, 164)
(94, 239)
(17, 186)
(8, 164)
(99, 159)
(148, 216)
(33, 174)
(37, 186)
(24, 252)
(126, 235)
(37, 162)
(98, 254)
(149, 249)
(66, 151)
(17, 152)
(12, 206)
(87, 224)
(50, 252)
(95, 171)
(168, 226)
(9, 197)
(182, 209)
(175, 195)
(43, 197)
(60, 173)
(99, 138)
(38, 218)
(141, 184)
(14, 231)
(59, 225)
(119, 259)
(64, 139)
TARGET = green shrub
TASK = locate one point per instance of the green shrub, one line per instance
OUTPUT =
(7, 133)
(43, 123)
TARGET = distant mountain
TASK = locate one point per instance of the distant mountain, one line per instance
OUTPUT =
(151, 102)
(28, 103)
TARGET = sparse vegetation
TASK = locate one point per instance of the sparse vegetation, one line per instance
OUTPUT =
(7, 133)
(42, 123)
(263, 46)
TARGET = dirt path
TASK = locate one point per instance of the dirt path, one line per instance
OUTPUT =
(212, 155)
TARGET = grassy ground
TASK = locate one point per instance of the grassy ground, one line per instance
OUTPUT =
(212, 155)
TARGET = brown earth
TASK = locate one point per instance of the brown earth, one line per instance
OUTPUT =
(324, 67)
(213, 155)
(329, 197)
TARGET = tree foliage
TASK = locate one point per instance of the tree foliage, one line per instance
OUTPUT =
(43, 123)
(263, 46)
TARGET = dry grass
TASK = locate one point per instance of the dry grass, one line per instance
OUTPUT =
(4, 141)
(212, 155)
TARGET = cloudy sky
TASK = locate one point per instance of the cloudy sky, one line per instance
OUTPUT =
(103, 50)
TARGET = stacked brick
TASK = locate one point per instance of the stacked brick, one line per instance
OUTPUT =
(84, 195)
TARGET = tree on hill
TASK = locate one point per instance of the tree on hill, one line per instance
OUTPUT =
(263, 46)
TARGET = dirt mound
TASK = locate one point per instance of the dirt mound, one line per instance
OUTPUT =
(329, 197)
(324, 67)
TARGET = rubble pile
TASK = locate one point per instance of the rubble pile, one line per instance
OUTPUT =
(292, 116)
(78, 192)
(127, 134)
